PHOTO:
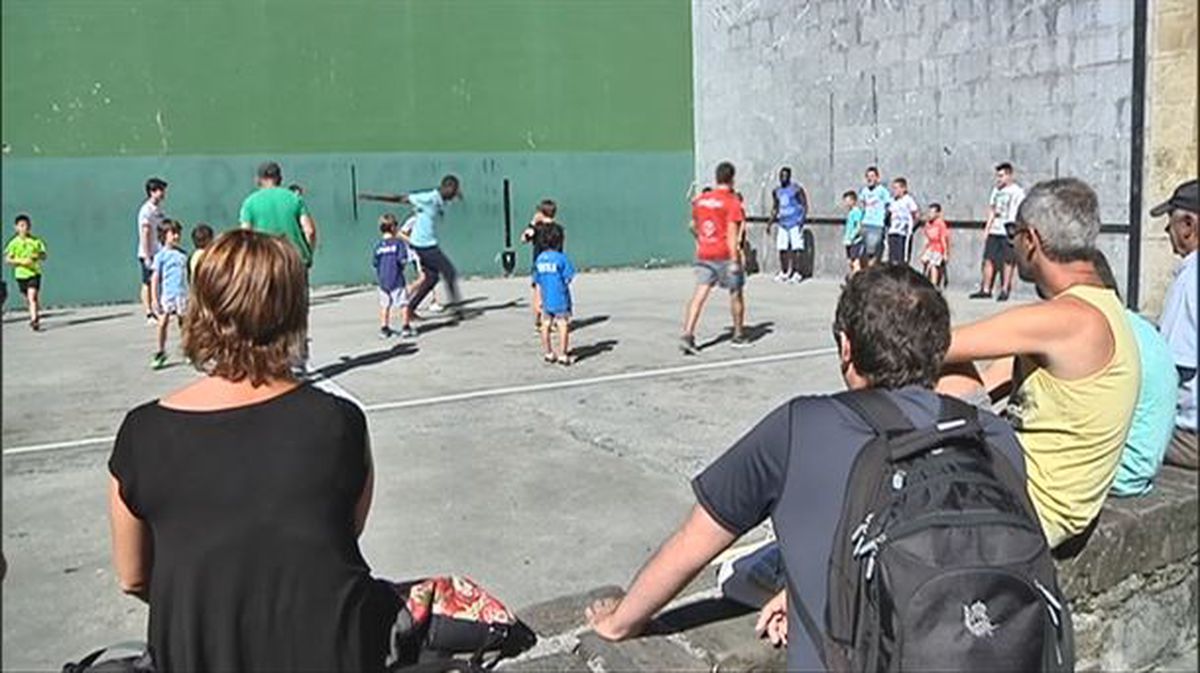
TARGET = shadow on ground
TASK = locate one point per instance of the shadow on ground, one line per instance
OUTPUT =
(347, 362)
(581, 353)
(693, 615)
(581, 323)
(753, 334)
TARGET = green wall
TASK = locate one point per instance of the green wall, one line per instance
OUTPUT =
(587, 101)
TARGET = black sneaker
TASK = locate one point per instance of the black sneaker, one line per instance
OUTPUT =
(687, 344)
(739, 341)
(1002, 297)
(386, 333)
(980, 295)
(407, 332)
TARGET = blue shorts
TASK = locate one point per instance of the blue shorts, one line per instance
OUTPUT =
(719, 272)
(146, 271)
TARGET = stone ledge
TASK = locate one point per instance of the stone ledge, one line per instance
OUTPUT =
(1136, 536)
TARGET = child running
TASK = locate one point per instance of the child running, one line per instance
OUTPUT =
(202, 235)
(168, 285)
(552, 272)
(391, 254)
(852, 233)
(535, 234)
(25, 254)
(937, 245)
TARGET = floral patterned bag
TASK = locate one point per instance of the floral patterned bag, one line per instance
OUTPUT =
(451, 614)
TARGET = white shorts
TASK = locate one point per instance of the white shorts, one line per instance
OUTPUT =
(173, 305)
(790, 239)
(393, 298)
(932, 258)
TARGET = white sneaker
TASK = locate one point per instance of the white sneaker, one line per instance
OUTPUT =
(436, 308)
(781, 277)
(795, 279)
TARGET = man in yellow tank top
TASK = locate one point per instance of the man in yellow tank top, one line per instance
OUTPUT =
(1071, 360)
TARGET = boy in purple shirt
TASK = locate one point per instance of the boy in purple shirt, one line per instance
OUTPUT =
(391, 254)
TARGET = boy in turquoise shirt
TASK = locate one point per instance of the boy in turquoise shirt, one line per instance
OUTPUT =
(852, 235)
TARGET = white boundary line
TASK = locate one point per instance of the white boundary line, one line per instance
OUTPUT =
(499, 392)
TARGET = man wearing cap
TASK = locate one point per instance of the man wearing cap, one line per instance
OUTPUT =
(1178, 324)
(275, 210)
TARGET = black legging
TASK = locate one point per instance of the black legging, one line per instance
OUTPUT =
(434, 265)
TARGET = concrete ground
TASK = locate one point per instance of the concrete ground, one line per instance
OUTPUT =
(536, 480)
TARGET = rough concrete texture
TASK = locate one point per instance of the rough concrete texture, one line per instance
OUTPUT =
(535, 492)
(935, 90)
(1172, 131)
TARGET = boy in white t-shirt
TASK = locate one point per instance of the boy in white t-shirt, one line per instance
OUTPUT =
(998, 254)
(904, 214)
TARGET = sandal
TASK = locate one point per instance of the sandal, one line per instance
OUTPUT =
(565, 360)
(549, 358)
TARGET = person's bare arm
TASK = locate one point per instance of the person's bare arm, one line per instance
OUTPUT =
(733, 237)
(145, 235)
(693, 546)
(804, 198)
(774, 210)
(154, 277)
(1066, 335)
(132, 547)
(309, 226)
(386, 198)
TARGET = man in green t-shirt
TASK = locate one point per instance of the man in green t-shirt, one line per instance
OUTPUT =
(25, 253)
(275, 210)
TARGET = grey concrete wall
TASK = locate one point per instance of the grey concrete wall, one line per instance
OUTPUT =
(936, 90)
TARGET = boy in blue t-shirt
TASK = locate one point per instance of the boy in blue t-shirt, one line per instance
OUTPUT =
(168, 285)
(552, 272)
(391, 254)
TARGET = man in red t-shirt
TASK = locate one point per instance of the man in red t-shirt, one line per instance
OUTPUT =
(717, 220)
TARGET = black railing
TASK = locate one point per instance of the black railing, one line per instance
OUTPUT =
(955, 224)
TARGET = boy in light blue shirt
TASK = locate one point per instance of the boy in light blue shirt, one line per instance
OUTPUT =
(553, 272)
(874, 199)
(168, 285)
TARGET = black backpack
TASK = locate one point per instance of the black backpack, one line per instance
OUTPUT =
(939, 562)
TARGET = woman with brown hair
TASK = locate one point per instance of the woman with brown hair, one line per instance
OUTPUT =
(237, 501)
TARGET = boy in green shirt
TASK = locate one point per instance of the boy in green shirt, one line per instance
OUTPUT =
(25, 253)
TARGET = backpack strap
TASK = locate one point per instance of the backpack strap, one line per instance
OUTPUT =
(877, 409)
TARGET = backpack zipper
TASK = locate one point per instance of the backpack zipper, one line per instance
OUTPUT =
(1054, 607)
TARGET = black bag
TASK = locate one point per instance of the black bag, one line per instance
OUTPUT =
(939, 562)
(808, 255)
(138, 662)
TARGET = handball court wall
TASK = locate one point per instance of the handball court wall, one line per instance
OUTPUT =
(588, 102)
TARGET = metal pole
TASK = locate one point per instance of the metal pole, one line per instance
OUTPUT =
(1137, 153)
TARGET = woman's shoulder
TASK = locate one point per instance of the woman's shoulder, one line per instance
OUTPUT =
(327, 402)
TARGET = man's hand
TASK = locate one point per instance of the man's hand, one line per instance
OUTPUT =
(601, 617)
(772, 620)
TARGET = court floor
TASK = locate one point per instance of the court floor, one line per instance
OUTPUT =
(537, 480)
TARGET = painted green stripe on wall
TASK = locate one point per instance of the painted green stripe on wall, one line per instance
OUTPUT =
(619, 208)
(224, 77)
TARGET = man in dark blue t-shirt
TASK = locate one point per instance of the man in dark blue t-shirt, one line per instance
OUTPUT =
(892, 329)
